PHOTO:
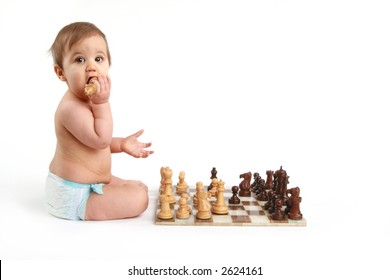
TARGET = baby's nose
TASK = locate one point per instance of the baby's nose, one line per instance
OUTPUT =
(91, 67)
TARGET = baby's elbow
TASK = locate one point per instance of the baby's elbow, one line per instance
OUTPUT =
(103, 143)
(103, 146)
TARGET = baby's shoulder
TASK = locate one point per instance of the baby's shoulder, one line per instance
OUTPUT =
(70, 106)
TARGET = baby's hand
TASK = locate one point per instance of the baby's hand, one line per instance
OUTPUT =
(133, 147)
(103, 90)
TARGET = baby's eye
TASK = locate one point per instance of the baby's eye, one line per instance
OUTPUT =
(80, 59)
(99, 59)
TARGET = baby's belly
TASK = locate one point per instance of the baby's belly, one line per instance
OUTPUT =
(83, 168)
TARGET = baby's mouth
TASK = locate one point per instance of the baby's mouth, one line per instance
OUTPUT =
(91, 78)
(90, 88)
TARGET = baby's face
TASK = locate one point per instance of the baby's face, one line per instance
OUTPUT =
(85, 59)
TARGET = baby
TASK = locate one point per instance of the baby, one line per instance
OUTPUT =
(80, 185)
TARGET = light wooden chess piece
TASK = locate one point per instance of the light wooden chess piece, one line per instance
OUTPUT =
(199, 188)
(167, 174)
(184, 210)
(90, 88)
(185, 195)
(204, 205)
(214, 187)
(181, 186)
(166, 212)
(162, 185)
(219, 207)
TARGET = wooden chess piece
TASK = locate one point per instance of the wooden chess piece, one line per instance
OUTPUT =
(214, 187)
(276, 181)
(162, 186)
(254, 184)
(268, 183)
(167, 174)
(166, 212)
(295, 212)
(283, 185)
(204, 205)
(213, 176)
(269, 202)
(199, 188)
(278, 214)
(90, 88)
(219, 206)
(183, 211)
(262, 195)
(272, 207)
(245, 184)
(234, 199)
(185, 195)
(181, 186)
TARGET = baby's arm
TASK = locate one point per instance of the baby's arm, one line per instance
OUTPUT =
(131, 146)
(92, 127)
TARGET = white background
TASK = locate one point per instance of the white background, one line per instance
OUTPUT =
(239, 85)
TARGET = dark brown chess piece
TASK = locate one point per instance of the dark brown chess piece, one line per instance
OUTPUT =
(283, 185)
(272, 206)
(254, 185)
(213, 175)
(262, 195)
(277, 178)
(234, 199)
(295, 212)
(268, 183)
(269, 202)
(280, 181)
(245, 184)
(278, 214)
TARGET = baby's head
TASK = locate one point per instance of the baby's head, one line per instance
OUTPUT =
(72, 34)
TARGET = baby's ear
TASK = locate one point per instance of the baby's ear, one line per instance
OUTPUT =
(59, 72)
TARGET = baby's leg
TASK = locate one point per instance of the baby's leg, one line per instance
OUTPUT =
(121, 199)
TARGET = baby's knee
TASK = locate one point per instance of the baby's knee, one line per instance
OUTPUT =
(141, 202)
(142, 185)
(136, 183)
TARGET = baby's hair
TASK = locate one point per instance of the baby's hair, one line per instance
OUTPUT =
(70, 35)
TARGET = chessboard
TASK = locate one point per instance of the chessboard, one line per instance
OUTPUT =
(249, 212)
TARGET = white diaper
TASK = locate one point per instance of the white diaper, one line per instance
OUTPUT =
(67, 199)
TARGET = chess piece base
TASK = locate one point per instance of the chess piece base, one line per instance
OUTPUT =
(165, 215)
(234, 200)
(203, 215)
(220, 210)
(244, 193)
(296, 216)
(182, 215)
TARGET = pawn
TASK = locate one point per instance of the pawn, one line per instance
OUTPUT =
(214, 187)
(262, 195)
(269, 202)
(213, 176)
(183, 211)
(278, 214)
(295, 200)
(234, 199)
(181, 186)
